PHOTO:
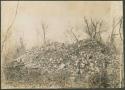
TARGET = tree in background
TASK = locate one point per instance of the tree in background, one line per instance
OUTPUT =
(44, 30)
(7, 34)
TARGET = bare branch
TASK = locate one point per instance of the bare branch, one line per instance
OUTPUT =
(113, 29)
(88, 28)
(94, 24)
(74, 34)
(69, 33)
(120, 28)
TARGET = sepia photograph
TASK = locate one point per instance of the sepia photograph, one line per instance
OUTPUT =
(62, 44)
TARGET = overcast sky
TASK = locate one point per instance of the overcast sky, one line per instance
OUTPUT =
(59, 15)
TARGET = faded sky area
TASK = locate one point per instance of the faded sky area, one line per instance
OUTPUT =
(59, 15)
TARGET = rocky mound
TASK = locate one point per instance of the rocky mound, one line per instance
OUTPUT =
(82, 64)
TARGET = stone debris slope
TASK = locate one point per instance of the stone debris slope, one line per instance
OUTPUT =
(82, 64)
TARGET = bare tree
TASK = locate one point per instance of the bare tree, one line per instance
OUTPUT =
(20, 49)
(9, 28)
(117, 25)
(120, 26)
(94, 28)
(113, 34)
(44, 29)
(72, 34)
(5, 38)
